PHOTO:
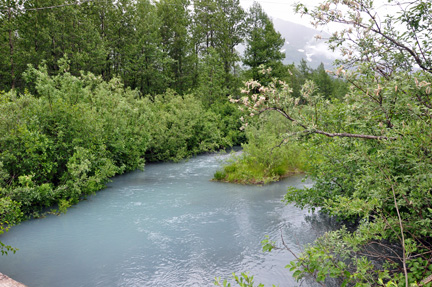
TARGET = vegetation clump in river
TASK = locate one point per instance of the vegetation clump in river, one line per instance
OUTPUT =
(266, 157)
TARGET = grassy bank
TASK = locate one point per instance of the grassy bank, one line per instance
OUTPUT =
(242, 172)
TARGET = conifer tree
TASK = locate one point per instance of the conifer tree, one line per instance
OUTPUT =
(263, 44)
(176, 42)
(9, 17)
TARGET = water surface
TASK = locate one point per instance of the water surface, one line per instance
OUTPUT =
(168, 225)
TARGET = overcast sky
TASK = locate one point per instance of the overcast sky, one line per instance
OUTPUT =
(282, 9)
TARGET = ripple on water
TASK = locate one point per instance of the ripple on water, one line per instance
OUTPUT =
(166, 226)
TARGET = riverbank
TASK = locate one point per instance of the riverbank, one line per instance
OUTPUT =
(165, 226)
(6, 281)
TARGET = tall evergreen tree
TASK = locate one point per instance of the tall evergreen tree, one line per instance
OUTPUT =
(114, 22)
(176, 42)
(145, 66)
(101, 13)
(230, 33)
(9, 18)
(323, 81)
(219, 25)
(304, 70)
(49, 30)
(205, 25)
(121, 31)
(263, 44)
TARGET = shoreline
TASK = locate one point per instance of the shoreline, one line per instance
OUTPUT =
(260, 182)
(6, 281)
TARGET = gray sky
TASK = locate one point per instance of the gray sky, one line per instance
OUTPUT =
(282, 9)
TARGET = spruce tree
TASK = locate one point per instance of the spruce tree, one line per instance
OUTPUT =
(263, 44)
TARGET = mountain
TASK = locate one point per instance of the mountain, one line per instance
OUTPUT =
(300, 43)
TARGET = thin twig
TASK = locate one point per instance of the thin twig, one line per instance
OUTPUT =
(289, 249)
(328, 134)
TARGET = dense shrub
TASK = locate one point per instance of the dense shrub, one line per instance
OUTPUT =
(64, 142)
(181, 128)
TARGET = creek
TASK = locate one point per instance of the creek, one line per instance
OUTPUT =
(169, 226)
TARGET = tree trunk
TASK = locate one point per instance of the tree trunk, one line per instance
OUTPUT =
(11, 49)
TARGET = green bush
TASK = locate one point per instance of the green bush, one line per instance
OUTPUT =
(65, 142)
(181, 128)
(220, 175)
(267, 156)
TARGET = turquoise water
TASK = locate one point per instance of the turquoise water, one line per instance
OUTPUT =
(168, 225)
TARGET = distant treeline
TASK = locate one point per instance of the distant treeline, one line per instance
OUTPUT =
(177, 44)
(150, 46)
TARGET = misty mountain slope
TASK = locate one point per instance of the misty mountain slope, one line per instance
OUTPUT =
(300, 43)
